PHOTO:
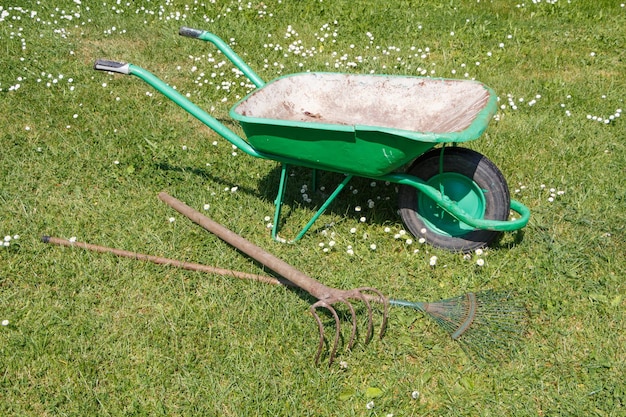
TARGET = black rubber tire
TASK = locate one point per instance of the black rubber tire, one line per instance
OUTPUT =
(484, 175)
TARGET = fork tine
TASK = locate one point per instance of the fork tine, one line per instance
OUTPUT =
(333, 351)
(320, 326)
(382, 299)
(354, 324)
(370, 315)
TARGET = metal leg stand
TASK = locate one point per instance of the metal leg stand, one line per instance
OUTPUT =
(324, 207)
(279, 200)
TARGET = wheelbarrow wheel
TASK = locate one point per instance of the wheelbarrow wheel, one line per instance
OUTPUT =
(468, 178)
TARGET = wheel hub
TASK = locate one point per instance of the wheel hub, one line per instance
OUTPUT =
(460, 189)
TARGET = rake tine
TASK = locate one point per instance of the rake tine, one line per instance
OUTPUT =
(385, 301)
(330, 308)
(321, 330)
(354, 324)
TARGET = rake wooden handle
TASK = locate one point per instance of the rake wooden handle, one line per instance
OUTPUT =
(300, 279)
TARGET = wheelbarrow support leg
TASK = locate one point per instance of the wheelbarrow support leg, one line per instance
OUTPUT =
(279, 203)
(314, 180)
(279, 200)
(324, 206)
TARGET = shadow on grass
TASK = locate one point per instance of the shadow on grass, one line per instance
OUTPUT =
(342, 207)
(293, 199)
(508, 240)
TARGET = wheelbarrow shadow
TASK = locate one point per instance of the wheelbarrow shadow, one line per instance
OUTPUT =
(204, 174)
(362, 198)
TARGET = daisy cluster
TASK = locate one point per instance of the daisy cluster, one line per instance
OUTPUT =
(8, 240)
(606, 120)
(478, 257)
(370, 405)
(325, 40)
(359, 238)
(551, 192)
(360, 234)
(539, 2)
(12, 17)
(514, 102)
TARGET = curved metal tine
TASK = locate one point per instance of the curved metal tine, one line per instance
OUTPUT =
(385, 302)
(330, 308)
(320, 326)
(354, 324)
(370, 315)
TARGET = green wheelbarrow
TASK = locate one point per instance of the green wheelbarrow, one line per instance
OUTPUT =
(372, 126)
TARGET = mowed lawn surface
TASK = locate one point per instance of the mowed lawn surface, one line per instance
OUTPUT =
(83, 155)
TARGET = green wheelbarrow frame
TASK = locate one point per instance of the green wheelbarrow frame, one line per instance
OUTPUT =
(267, 137)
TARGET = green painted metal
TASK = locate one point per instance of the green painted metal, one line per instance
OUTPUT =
(210, 121)
(324, 206)
(417, 305)
(356, 149)
(279, 200)
(453, 208)
(459, 188)
(232, 56)
(333, 147)
(194, 110)
(470, 316)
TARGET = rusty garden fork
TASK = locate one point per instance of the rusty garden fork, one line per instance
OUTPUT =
(327, 297)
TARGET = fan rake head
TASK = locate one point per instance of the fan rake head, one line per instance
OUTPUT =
(488, 325)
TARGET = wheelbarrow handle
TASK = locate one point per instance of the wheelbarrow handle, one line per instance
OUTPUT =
(237, 61)
(112, 66)
(190, 32)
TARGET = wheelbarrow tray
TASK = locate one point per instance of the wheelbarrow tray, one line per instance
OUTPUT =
(368, 125)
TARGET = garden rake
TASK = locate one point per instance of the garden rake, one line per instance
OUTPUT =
(486, 324)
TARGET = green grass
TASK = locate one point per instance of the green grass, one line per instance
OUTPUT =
(86, 155)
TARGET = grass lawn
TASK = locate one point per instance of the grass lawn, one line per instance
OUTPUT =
(83, 154)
